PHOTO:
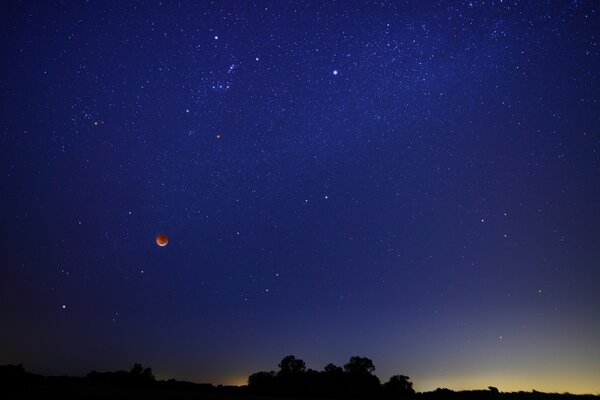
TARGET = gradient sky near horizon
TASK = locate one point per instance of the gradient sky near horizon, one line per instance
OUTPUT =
(417, 182)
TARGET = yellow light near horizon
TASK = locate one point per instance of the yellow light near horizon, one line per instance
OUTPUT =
(574, 383)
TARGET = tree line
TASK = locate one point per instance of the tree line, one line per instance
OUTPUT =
(355, 379)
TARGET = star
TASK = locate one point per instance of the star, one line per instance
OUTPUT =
(436, 125)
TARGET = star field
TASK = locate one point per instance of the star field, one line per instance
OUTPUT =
(415, 182)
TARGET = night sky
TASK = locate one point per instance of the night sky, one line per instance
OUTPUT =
(416, 182)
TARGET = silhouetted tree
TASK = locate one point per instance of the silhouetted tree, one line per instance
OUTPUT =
(360, 379)
(443, 393)
(147, 374)
(140, 374)
(333, 369)
(291, 366)
(399, 385)
(359, 366)
(291, 377)
(15, 375)
(262, 382)
(136, 370)
(333, 380)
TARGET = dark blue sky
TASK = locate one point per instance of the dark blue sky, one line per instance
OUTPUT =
(415, 182)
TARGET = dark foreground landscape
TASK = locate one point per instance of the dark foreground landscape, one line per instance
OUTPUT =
(354, 380)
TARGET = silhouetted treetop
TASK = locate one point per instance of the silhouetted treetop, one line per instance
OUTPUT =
(290, 365)
(359, 366)
(136, 370)
(140, 373)
(333, 369)
(261, 379)
(399, 385)
(293, 378)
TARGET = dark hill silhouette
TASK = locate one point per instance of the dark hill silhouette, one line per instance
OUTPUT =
(355, 379)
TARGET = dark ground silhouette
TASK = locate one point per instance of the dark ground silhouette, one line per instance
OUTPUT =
(356, 379)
